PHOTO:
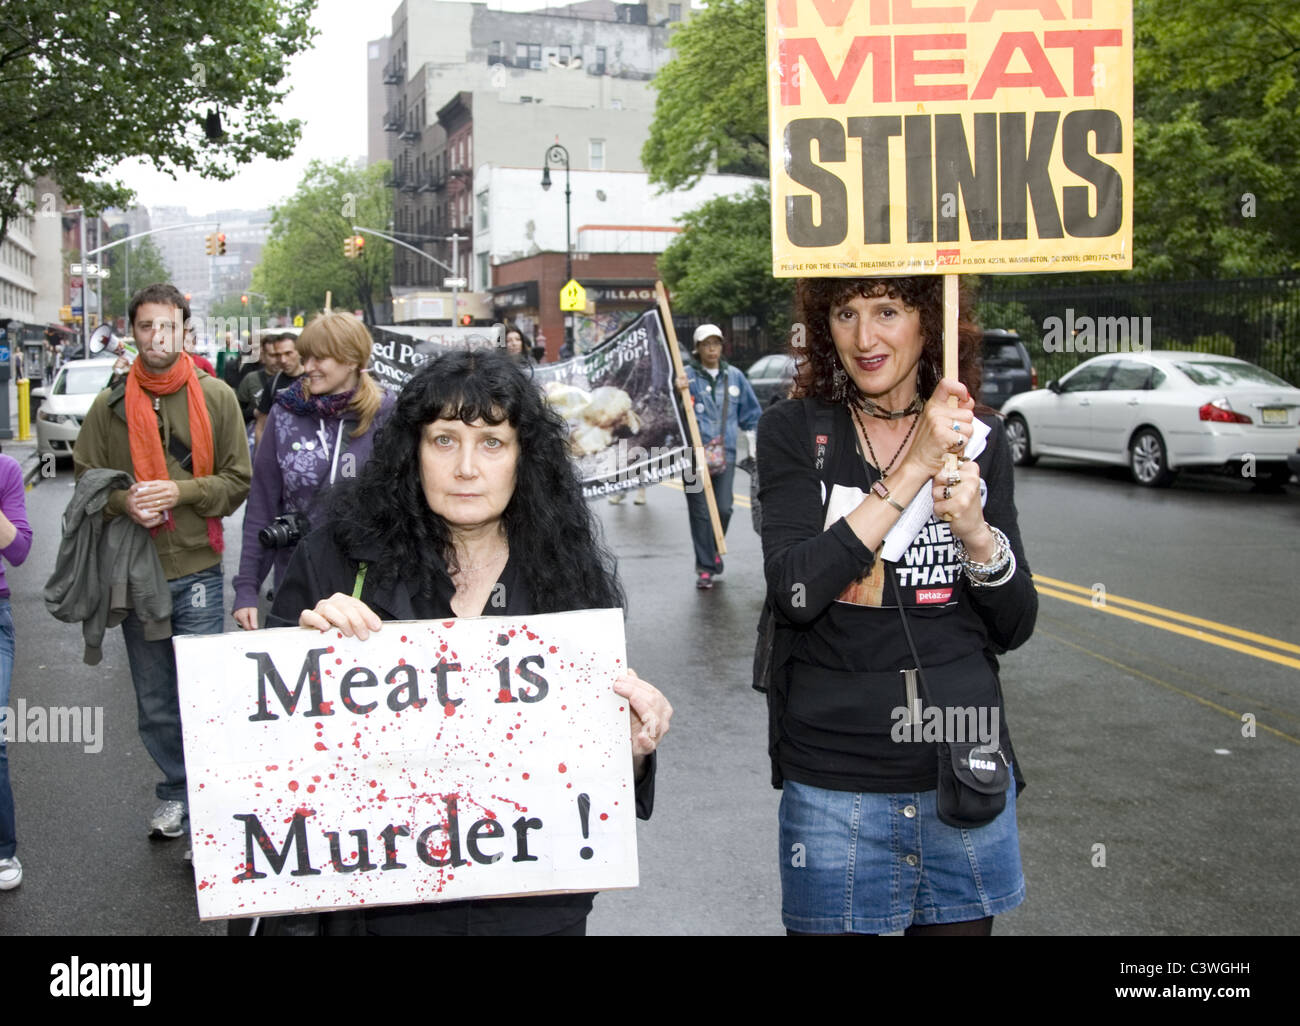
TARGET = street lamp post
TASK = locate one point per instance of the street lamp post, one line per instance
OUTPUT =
(556, 154)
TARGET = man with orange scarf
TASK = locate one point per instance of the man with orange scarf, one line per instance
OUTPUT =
(179, 433)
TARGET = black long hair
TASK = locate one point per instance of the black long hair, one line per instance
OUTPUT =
(550, 527)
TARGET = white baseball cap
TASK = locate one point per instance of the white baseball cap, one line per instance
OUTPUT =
(707, 331)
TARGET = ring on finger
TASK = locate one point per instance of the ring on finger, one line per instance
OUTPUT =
(947, 492)
(956, 426)
(946, 518)
(954, 478)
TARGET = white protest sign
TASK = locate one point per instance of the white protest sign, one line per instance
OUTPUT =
(437, 760)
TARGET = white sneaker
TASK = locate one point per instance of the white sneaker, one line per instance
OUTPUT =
(11, 873)
(616, 499)
(640, 497)
(168, 820)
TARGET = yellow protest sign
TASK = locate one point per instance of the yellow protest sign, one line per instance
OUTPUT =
(923, 136)
(573, 297)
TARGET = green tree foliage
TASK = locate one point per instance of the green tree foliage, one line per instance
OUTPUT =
(303, 257)
(711, 112)
(1217, 96)
(721, 263)
(86, 85)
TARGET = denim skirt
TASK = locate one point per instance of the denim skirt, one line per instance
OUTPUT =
(877, 863)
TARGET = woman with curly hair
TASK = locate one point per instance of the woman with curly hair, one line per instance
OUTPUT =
(863, 847)
(470, 506)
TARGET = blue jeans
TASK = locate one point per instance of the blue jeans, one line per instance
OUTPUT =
(8, 835)
(198, 607)
(706, 550)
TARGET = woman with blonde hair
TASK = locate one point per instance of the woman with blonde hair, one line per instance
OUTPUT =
(321, 430)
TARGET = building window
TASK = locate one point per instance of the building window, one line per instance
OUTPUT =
(482, 210)
(674, 12)
(596, 154)
(599, 67)
(484, 273)
(566, 52)
(528, 55)
(494, 52)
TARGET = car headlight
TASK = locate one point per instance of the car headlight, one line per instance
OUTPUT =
(53, 418)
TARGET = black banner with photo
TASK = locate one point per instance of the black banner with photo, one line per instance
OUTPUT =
(625, 428)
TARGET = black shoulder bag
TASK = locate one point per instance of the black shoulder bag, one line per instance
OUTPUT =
(973, 777)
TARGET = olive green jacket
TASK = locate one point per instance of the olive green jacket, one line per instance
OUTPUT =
(103, 442)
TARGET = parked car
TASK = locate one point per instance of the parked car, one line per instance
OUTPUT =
(771, 377)
(67, 401)
(1007, 368)
(1159, 413)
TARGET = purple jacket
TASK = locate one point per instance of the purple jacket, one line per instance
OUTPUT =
(292, 468)
(13, 500)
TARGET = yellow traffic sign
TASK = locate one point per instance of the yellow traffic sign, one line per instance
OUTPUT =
(65, 313)
(297, 321)
(573, 297)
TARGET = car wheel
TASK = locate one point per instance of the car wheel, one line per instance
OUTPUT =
(1018, 439)
(1148, 460)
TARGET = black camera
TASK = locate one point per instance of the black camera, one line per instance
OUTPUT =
(284, 531)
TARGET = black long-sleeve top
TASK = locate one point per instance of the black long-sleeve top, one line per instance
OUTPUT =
(841, 682)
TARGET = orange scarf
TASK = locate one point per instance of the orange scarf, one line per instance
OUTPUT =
(148, 460)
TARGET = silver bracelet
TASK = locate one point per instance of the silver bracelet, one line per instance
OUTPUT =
(1007, 574)
(983, 573)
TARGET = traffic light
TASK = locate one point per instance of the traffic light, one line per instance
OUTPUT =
(221, 244)
(210, 245)
(244, 300)
(466, 320)
(353, 246)
(358, 243)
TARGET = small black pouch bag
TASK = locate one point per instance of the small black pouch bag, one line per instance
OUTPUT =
(973, 777)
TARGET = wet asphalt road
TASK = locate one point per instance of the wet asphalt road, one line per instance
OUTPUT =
(1130, 735)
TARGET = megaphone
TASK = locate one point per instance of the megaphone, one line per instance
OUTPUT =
(102, 340)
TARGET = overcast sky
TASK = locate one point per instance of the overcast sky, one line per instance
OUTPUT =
(328, 95)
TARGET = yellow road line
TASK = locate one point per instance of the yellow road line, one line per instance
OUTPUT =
(1222, 628)
(1188, 632)
(1172, 687)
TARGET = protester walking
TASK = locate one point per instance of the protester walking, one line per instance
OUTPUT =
(15, 543)
(177, 432)
(882, 827)
(283, 367)
(320, 431)
(444, 522)
(725, 405)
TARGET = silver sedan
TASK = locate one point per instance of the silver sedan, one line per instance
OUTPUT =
(1159, 412)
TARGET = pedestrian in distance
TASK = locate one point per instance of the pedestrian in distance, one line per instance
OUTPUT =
(868, 836)
(176, 431)
(15, 543)
(320, 431)
(725, 405)
(444, 522)
(283, 364)
(517, 347)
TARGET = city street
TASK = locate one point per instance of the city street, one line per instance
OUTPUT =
(1148, 810)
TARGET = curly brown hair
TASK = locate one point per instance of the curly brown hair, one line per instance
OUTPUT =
(816, 360)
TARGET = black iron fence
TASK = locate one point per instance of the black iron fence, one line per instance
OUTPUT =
(1255, 319)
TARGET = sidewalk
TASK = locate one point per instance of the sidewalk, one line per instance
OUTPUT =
(23, 452)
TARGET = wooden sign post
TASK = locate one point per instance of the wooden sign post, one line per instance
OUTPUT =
(697, 446)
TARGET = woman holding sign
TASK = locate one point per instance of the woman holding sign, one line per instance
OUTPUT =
(898, 811)
(470, 506)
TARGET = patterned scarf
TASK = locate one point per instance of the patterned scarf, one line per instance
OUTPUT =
(296, 399)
